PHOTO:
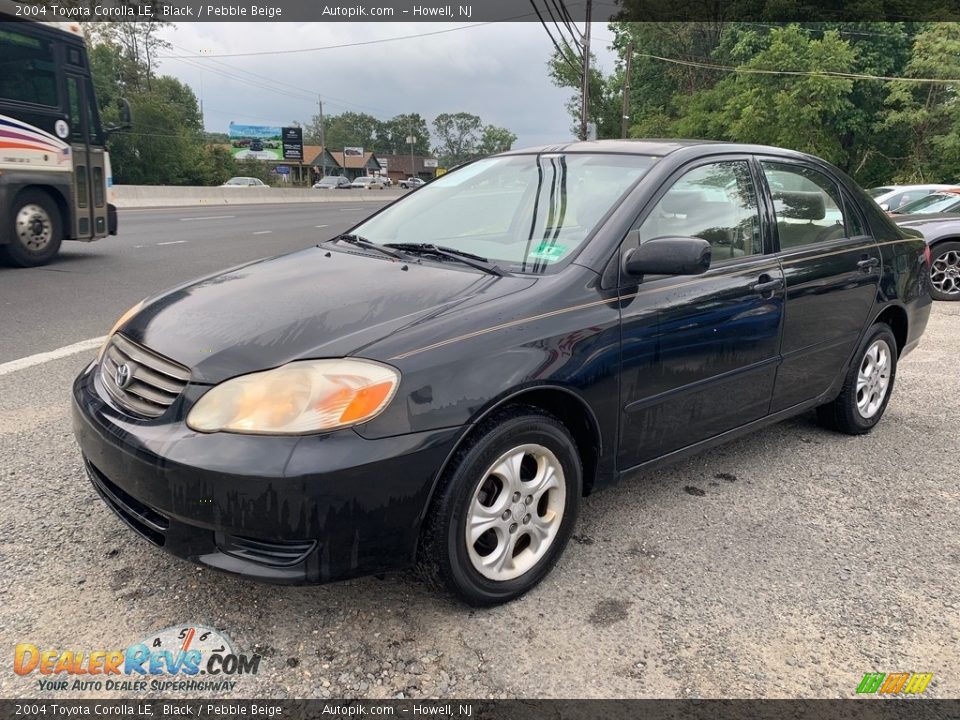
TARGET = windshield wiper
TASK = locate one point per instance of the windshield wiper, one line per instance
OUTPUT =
(362, 242)
(474, 261)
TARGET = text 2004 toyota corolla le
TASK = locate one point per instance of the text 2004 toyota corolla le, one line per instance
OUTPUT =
(444, 383)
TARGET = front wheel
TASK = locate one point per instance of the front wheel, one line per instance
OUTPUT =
(505, 509)
(945, 271)
(36, 231)
(867, 387)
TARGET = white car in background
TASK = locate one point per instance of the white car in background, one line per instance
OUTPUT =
(893, 197)
(244, 182)
(367, 182)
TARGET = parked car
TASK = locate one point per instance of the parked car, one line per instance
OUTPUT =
(942, 201)
(942, 233)
(332, 182)
(244, 182)
(256, 145)
(892, 197)
(445, 382)
(411, 183)
(367, 182)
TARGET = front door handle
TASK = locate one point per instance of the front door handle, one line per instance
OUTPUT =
(868, 263)
(766, 285)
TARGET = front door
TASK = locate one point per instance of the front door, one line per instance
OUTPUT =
(89, 160)
(700, 353)
(831, 265)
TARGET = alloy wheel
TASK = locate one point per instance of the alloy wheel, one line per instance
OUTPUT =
(873, 379)
(515, 512)
(945, 273)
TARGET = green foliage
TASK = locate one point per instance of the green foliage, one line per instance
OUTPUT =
(792, 86)
(462, 137)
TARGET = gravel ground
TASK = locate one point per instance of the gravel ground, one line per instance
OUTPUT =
(786, 564)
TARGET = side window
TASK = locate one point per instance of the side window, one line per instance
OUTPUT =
(27, 70)
(806, 203)
(855, 224)
(716, 202)
(73, 109)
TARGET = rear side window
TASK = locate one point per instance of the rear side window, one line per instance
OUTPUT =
(27, 70)
(806, 203)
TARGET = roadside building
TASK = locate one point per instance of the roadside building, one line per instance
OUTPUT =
(400, 167)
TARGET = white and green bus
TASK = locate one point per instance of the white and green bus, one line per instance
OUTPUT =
(55, 174)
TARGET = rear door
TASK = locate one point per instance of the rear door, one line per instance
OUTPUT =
(831, 265)
(699, 353)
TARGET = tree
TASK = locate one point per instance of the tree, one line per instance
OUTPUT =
(494, 140)
(350, 129)
(928, 114)
(396, 130)
(458, 137)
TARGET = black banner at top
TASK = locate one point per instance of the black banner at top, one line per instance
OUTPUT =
(484, 11)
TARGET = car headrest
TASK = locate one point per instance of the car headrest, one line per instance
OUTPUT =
(682, 202)
(800, 204)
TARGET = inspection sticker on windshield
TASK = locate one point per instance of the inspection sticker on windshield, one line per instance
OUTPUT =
(549, 251)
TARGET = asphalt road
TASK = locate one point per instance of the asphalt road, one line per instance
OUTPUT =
(786, 564)
(89, 285)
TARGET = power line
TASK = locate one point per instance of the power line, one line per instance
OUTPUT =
(361, 42)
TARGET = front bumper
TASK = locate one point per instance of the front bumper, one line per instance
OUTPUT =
(281, 509)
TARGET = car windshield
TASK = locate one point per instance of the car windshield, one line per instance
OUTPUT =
(934, 203)
(238, 181)
(329, 181)
(878, 191)
(526, 213)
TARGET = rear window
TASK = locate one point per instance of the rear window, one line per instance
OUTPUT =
(27, 71)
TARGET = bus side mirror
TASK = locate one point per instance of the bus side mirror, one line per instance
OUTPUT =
(126, 117)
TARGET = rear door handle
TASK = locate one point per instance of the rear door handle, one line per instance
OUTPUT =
(868, 263)
(765, 286)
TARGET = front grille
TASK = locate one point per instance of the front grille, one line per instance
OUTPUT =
(154, 381)
(264, 552)
(142, 518)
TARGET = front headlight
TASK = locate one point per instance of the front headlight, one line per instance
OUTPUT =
(302, 397)
(117, 325)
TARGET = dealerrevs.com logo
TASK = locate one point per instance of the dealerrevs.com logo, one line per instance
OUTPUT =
(190, 658)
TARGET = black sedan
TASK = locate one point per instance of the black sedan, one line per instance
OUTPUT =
(443, 384)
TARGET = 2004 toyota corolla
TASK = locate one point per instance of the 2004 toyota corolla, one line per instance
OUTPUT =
(443, 384)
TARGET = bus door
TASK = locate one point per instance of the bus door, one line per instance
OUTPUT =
(89, 161)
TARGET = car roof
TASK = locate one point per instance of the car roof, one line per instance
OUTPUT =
(658, 147)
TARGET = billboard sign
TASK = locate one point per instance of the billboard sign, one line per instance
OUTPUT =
(353, 152)
(256, 142)
(293, 144)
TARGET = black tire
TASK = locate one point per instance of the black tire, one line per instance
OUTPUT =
(844, 414)
(21, 251)
(945, 271)
(444, 557)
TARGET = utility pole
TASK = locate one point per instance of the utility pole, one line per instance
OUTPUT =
(323, 140)
(626, 92)
(585, 90)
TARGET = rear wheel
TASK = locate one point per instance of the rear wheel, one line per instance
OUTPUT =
(505, 510)
(36, 231)
(867, 387)
(945, 271)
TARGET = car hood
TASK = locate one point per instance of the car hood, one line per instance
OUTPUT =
(308, 304)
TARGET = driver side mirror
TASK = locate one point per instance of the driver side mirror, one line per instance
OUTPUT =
(884, 207)
(126, 118)
(668, 256)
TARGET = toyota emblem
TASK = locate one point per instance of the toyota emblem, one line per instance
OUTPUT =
(122, 376)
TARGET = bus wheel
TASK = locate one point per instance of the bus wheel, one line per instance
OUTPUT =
(36, 233)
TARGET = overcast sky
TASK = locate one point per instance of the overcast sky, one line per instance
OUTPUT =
(495, 71)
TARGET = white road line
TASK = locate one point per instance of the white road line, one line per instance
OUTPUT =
(172, 242)
(207, 217)
(45, 357)
(321, 226)
(263, 232)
